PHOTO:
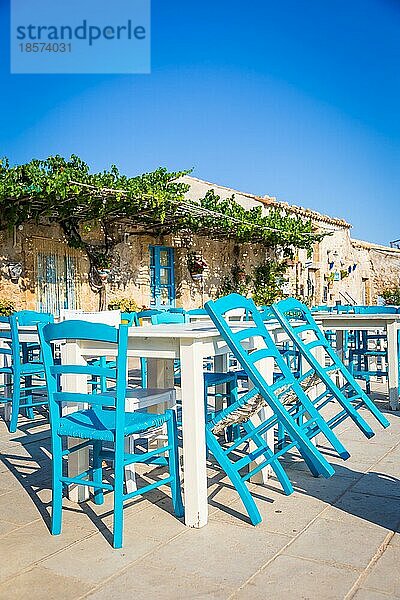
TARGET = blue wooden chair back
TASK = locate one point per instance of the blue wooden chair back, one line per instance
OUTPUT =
(344, 309)
(376, 310)
(169, 318)
(177, 310)
(148, 313)
(130, 319)
(297, 320)
(197, 312)
(32, 317)
(322, 308)
(238, 342)
(83, 330)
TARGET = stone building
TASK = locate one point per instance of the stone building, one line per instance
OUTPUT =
(40, 271)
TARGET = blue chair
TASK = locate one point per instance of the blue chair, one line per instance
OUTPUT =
(211, 379)
(103, 421)
(130, 319)
(363, 347)
(149, 312)
(240, 412)
(195, 312)
(366, 346)
(179, 310)
(169, 318)
(350, 396)
(25, 370)
(376, 310)
(344, 309)
(322, 308)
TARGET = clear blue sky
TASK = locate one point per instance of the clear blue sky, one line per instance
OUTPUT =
(298, 99)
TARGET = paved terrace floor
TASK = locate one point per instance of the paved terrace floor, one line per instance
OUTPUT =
(334, 538)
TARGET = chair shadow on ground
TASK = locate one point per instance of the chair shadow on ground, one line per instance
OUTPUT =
(373, 497)
(382, 402)
(32, 469)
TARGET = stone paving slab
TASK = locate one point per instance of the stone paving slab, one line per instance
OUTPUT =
(333, 538)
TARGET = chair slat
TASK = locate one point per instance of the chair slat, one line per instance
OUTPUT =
(79, 398)
(84, 370)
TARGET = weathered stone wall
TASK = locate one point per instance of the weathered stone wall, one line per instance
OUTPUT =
(369, 269)
(22, 246)
(382, 264)
(220, 256)
(130, 273)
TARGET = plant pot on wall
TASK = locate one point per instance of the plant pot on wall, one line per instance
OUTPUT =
(15, 271)
(196, 265)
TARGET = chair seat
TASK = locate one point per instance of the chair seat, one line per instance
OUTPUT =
(98, 424)
(211, 379)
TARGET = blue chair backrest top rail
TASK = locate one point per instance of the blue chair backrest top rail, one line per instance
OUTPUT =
(169, 318)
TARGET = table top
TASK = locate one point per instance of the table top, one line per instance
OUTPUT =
(355, 318)
(205, 329)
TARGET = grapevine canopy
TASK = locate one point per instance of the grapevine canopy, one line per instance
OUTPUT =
(65, 191)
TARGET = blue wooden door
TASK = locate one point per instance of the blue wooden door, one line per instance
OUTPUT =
(162, 278)
(56, 282)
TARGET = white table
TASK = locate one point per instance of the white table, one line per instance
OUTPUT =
(191, 343)
(389, 323)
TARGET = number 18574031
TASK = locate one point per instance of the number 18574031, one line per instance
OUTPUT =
(44, 47)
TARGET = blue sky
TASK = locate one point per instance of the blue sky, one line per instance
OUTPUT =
(298, 99)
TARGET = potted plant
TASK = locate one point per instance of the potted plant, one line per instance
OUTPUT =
(7, 307)
(196, 265)
(125, 305)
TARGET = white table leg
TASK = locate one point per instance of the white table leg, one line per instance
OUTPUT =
(193, 429)
(130, 473)
(160, 374)
(266, 368)
(313, 393)
(340, 344)
(221, 365)
(77, 461)
(393, 365)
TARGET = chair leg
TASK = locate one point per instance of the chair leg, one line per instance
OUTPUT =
(173, 457)
(143, 371)
(333, 439)
(232, 398)
(275, 464)
(57, 492)
(241, 487)
(29, 398)
(98, 494)
(16, 397)
(281, 436)
(118, 495)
